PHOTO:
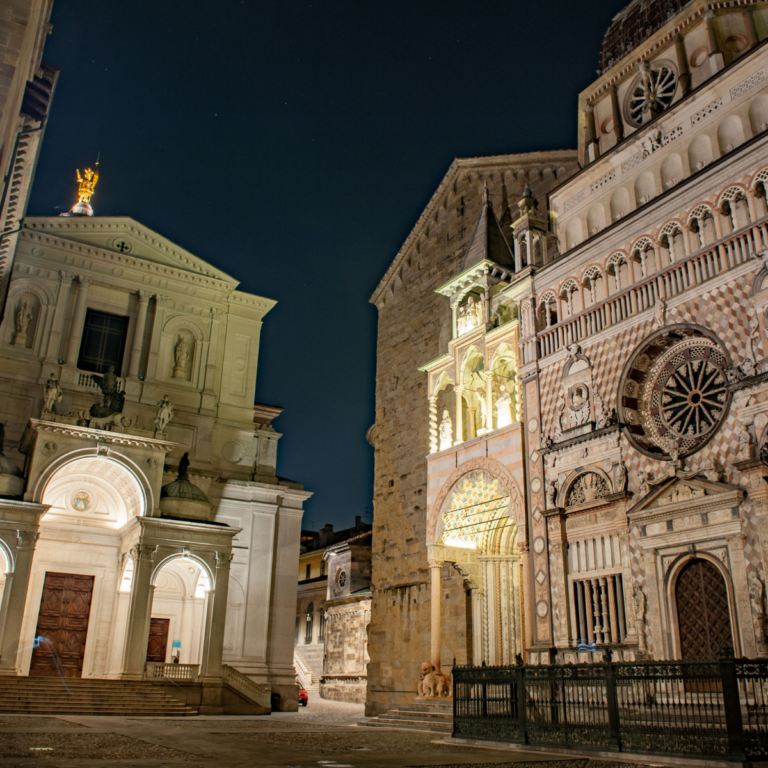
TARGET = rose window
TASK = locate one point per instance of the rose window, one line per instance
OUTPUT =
(674, 393)
(651, 93)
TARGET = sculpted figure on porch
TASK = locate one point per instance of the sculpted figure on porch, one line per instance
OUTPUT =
(52, 393)
(432, 684)
(164, 414)
(23, 317)
(503, 408)
(112, 398)
(446, 431)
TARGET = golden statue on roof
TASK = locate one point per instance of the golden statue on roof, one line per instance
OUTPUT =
(86, 183)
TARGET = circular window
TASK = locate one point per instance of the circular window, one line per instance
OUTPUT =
(342, 578)
(699, 56)
(674, 394)
(651, 93)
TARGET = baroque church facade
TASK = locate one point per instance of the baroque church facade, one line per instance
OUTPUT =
(142, 523)
(571, 370)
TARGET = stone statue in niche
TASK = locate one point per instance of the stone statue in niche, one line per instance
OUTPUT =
(746, 446)
(181, 358)
(446, 431)
(503, 408)
(602, 417)
(23, 318)
(621, 477)
(589, 487)
(754, 339)
(164, 414)
(480, 395)
(461, 319)
(551, 494)
(643, 489)
(756, 598)
(560, 424)
(52, 394)
(578, 402)
(112, 397)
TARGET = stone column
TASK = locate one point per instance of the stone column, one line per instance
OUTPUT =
(59, 315)
(459, 423)
(527, 588)
(751, 205)
(715, 57)
(14, 601)
(213, 642)
(749, 27)
(518, 257)
(78, 318)
(433, 445)
(741, 597)
(472, 423)
(618, 125)
(528, 248)
(139, 612)
(488, 376)
(434, 598)
(682, 65)
(138, 334)
(454, 322)
(213, 351)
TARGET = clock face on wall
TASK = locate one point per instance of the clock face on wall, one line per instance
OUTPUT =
(674, 394)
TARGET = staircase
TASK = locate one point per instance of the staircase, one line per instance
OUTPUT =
(433, 715)
(308, 661)
(76, 696)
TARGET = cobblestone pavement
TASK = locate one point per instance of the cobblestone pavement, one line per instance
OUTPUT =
(318, 737)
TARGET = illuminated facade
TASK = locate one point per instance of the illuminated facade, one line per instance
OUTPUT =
(623, 309)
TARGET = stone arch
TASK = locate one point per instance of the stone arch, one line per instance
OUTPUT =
(566, 294)
(574, 476)
(619, 204)
(595, 219)
(670, 584)
(671, 171)
(672, 239)
(7, 554)
(644, 254)
(181, 555)
(40, 301)
(698, 218)
(618, 265)
(516, 499)
(699, 152)
(733, 208)
(547, 310)
(114, 470)
(593, 284)
(645, 188)
(758, 113)
(730, 134)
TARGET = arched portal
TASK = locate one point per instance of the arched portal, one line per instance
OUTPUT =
(181, 589)
(703, 612)
(478, 533)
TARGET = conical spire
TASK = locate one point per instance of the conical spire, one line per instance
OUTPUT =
(488, 241)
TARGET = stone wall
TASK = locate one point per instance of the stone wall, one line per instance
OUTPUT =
(414, 328)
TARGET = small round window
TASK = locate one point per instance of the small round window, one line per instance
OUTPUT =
(342, 578)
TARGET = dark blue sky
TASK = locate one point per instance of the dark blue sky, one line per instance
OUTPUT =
(293, 145)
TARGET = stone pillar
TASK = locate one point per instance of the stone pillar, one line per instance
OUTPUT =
(14, 601)
(433, 445)
(682, 65)
(472, 423)
(528, 249)
(434, 597)
(749, 27)
(213, 351)
(527, 589)
(138, 333)
(78, 318)
(518, 257)
(139, 612)
(751, 205)
(59, 315)
(741, 596)
(618, 125)
(488, 376)
(454, 322)
(213, 642)
(459, 423)
(715, 57)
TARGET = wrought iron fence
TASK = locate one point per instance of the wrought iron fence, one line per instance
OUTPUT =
(713, 708)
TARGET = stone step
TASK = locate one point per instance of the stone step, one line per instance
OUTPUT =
(411, 725)
(427, 717)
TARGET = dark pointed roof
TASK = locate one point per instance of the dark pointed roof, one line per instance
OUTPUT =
(488, 241)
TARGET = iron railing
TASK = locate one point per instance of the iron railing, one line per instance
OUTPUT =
(695, 708)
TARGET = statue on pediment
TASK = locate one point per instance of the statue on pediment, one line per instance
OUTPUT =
(52, 393)
(112, 397)
(445, 431)
(164, 414)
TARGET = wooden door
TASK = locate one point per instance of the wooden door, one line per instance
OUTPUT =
(62, 625)
(703, 613)
(158, 640)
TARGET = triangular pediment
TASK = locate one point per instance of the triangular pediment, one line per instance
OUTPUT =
(684, 491)
(127, 237)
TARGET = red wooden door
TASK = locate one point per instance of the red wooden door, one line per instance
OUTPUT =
(158, 640)
(62, 625)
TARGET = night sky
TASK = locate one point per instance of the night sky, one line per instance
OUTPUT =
(294, 145)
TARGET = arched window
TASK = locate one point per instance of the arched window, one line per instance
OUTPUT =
(310, 621)
(321, 628)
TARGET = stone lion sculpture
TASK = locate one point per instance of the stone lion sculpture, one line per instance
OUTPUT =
(433, 684)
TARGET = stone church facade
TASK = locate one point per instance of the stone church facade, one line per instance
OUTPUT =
(571, 376)
(141, 518)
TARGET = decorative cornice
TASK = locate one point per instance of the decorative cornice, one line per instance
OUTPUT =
(98, 435)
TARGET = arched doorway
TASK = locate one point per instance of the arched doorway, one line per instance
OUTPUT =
(177, 620)
(476, 532)
(703, 612)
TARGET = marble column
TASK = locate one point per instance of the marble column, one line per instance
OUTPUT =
(682, 65)
(139, 612)
(459, 422)
(14, 601)
(618, 125)
(78, 318)
(213, 637)
(433, 445)
(527, 590)
(435, 627)
(138, 334)
(488, 376)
